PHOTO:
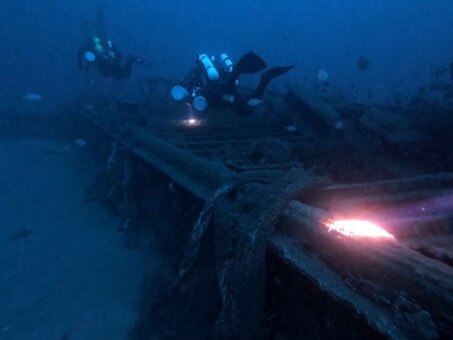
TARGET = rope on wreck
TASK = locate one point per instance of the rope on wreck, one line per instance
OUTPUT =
(240, 242)
(202, 224)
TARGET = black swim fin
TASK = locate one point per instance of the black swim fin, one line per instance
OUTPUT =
(249, 63)
(274, 72)
(266, 78)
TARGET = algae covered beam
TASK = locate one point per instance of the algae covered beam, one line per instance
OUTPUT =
(197, 175)
(414, 289)
(427, 182)
(334, 286)
(397, 290)
(306, 108)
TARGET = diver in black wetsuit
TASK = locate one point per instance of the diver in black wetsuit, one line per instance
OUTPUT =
(213, 83)
(106, 57)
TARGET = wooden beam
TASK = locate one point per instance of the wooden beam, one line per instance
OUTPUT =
(408, 285)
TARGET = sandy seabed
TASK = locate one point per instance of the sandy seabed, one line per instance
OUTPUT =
(64, 273)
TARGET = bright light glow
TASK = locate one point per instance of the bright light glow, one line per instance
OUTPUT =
(359, 228)
(192, 122)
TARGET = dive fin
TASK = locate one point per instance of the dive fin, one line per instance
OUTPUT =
(274, 72)
(266, 78)
(250, 63)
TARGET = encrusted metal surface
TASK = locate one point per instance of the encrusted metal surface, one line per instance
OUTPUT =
(202, 158)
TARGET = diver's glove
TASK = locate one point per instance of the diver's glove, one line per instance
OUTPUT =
(228, 98)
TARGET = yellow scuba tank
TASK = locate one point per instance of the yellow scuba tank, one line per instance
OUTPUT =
(211, 71)
(97, 45)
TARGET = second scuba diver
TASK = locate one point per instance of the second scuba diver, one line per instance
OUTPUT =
(106, 57)
(214, 82)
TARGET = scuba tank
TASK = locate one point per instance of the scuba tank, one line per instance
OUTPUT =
(179, 93)
(97, 45)
(227, 63)
(89, 56)
(104, 52)
(200, 103)
(211, 71)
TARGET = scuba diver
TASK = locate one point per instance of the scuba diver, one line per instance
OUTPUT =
(106, 57)
(214, 82)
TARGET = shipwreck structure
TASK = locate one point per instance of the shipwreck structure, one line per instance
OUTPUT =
(245, 209)
(256, 216)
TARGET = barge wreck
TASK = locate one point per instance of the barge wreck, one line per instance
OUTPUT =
(303, 221)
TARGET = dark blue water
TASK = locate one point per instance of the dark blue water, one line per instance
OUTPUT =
(65, 272)
(402, 40)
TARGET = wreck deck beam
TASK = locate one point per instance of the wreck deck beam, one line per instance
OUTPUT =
(336, 267)
(333, 285)
(428, 182)
(197, 175)
(391, 274)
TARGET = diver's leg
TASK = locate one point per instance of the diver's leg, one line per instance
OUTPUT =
(249, 63)
(126, 69)
(266, 78)
(239, 105)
